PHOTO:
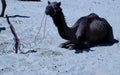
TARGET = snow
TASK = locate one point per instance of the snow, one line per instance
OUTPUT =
(50, 59)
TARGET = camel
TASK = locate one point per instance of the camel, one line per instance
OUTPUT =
(88, 30)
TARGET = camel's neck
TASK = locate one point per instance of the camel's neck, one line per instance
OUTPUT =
(60, 23)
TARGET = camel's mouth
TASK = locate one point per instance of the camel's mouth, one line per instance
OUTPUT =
(49, 11)
(46, 12)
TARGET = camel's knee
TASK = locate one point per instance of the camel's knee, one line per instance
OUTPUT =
(79, 36)
(63, 45)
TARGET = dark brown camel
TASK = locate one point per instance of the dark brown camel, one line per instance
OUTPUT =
(88, 30)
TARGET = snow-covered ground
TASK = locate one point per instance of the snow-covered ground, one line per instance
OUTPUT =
(50, 59)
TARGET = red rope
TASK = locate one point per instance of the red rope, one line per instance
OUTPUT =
(36, 36)
(16, 39)
(39, 29)
(44, 28)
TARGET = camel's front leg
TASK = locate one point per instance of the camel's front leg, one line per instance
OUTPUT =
(67, 44)
(81, 34)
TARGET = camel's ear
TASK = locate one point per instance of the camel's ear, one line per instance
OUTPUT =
(59, 3)
(49, 2)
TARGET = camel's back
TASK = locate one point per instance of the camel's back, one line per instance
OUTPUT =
(97, 31)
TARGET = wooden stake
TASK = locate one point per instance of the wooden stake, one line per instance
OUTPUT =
(3, 8)
(16, 39)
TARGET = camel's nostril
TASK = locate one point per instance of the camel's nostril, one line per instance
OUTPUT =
(47, 12)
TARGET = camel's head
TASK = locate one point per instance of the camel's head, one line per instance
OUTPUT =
(53, 8)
